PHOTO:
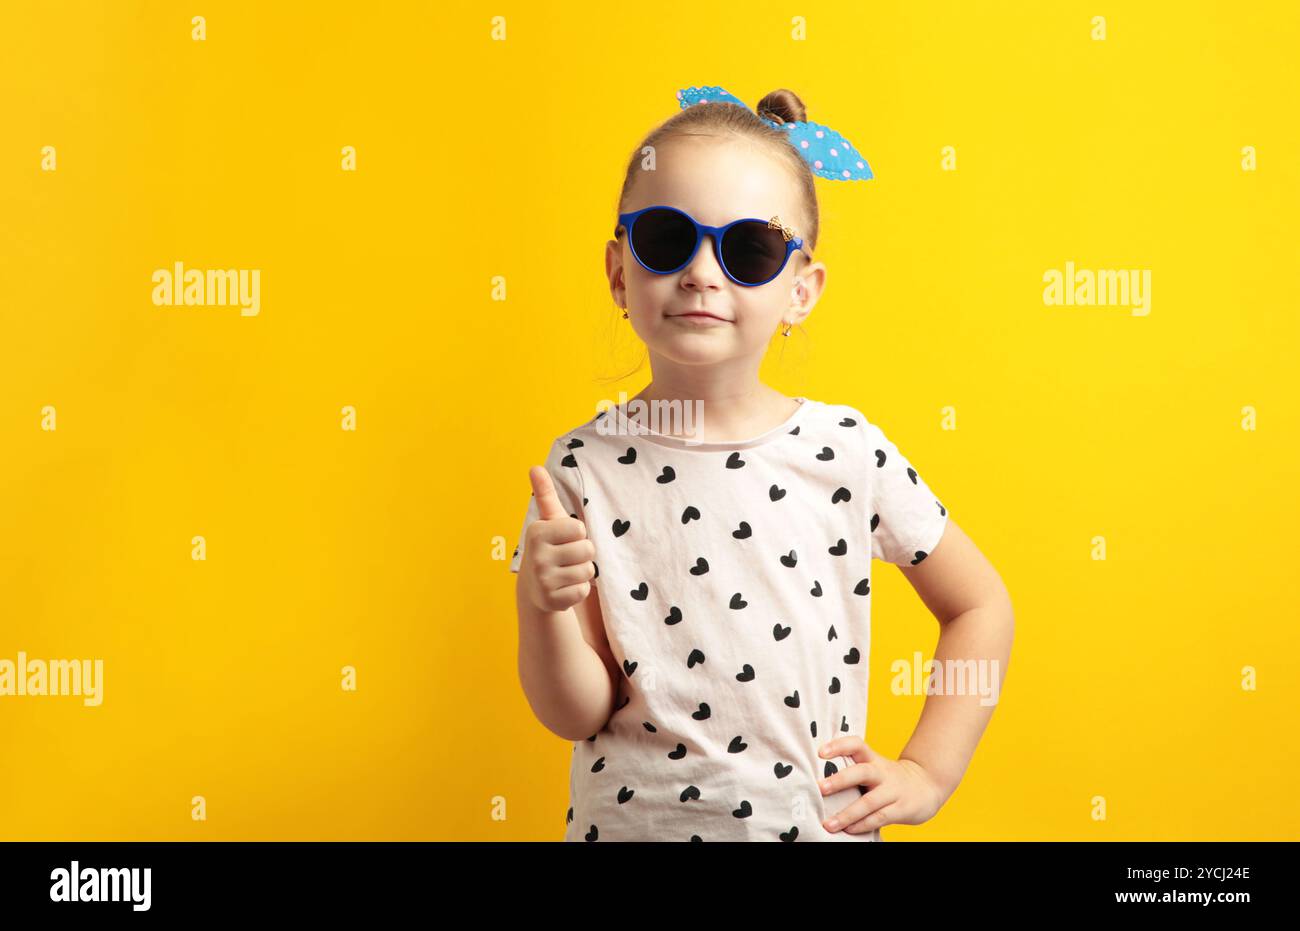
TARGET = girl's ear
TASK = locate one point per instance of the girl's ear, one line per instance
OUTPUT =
(614, 271)
(808, 285)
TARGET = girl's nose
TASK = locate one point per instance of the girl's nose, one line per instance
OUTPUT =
(704, 270)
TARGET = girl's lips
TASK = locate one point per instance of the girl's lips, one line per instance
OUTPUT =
(700, 317)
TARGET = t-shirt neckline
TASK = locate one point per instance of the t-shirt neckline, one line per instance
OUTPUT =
(630, 428)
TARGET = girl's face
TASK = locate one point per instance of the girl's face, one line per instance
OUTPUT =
(715, 181)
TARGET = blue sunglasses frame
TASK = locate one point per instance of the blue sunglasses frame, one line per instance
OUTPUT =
(792, 242)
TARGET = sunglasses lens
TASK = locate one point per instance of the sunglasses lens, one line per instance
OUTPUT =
(753, 252)
(663, 239)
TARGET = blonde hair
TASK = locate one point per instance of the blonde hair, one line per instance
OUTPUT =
(717, 118)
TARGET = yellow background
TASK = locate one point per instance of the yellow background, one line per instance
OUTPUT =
(376, 548)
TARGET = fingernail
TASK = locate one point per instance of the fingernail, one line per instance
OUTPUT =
(832, 824)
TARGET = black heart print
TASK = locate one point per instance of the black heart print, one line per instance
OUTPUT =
(799, 472)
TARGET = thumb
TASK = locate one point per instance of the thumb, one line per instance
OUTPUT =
(548, 503)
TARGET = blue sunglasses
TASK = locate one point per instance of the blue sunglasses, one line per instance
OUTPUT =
(750, 251)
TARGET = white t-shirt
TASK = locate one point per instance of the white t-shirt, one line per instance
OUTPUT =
(735, 583)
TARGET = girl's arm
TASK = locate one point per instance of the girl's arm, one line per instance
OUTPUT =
(966, 595)
(566, 666)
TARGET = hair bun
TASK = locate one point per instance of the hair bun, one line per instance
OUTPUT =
(782, 105)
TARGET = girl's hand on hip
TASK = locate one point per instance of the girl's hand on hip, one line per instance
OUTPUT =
(895, 791)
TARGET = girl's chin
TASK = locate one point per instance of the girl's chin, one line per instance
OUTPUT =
(696, 348)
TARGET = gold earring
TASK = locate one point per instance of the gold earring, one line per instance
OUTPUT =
(625, 315)
(786, 331)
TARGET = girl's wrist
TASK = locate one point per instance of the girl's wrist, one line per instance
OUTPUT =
(943, 788)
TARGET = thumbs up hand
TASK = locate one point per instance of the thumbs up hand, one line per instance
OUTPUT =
(557, 566)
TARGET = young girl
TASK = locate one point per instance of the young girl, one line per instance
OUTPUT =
(694, 609)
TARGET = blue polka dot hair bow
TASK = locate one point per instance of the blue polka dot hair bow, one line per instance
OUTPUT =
(828, 153)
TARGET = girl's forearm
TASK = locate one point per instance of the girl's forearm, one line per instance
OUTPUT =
(567, 684)
(972, 654)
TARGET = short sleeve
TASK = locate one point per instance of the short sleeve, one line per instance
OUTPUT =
(907, 520)
(562, 465)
